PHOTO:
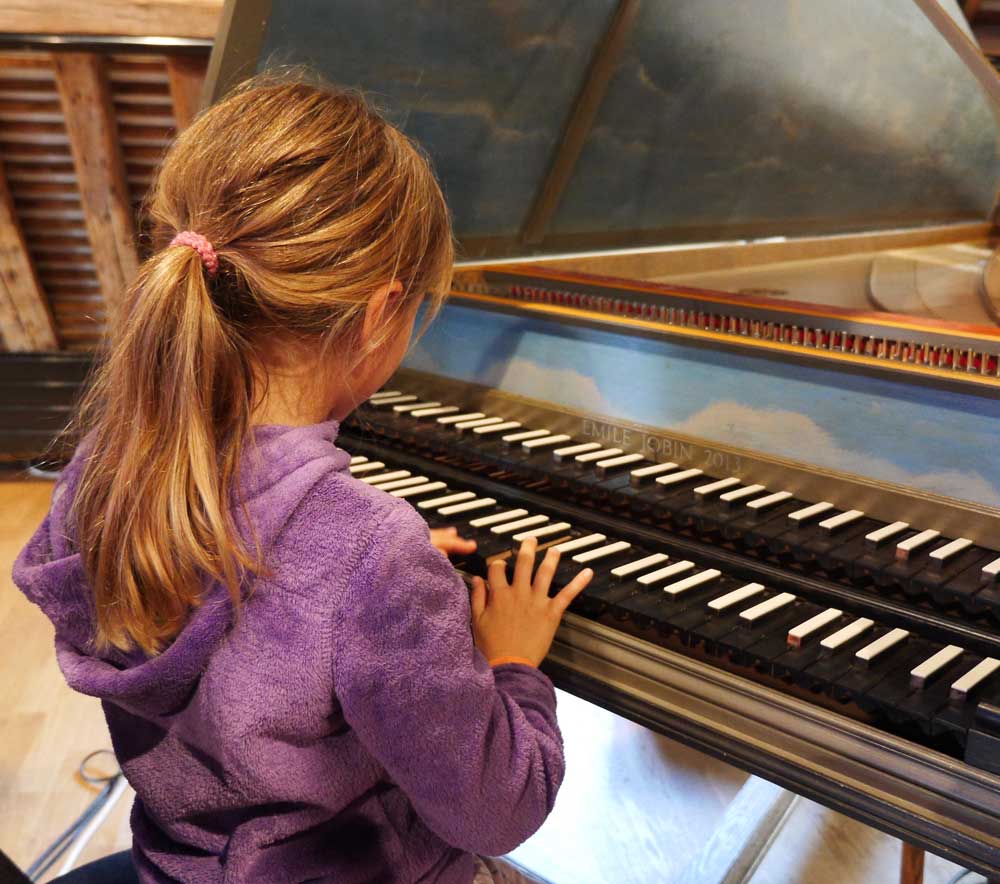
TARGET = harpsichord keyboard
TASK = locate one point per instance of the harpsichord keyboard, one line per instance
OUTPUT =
(888, 622)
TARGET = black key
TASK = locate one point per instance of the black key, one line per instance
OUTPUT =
(774, 644)
(746, 635)
(955, 717)
(833, 549)
(756, 528)
(877, 560)
(951, 584)
(654, 606)
(857, 681)
(717, 627)
(831, 664)
(922, 707)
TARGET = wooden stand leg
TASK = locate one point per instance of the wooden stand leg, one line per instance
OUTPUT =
(911, 868)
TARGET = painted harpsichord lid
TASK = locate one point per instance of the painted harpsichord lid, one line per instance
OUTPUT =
(587, 126)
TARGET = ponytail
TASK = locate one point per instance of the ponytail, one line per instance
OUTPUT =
(311, 202)
(170, 407)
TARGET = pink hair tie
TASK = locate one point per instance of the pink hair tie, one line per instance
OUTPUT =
(201, 245)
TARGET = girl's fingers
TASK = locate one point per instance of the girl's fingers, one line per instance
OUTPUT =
(546, 571)
(497, 574)
(478, 600)
(447, 541)
(571, 590)
(525, 562)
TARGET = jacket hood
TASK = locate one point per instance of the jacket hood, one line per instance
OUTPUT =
(276, 474)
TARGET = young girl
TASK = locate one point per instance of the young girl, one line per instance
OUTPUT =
(293, 676)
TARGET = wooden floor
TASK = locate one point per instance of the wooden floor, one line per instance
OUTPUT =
(633, 808)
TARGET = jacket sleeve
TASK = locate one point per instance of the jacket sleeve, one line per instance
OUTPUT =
(477, 751)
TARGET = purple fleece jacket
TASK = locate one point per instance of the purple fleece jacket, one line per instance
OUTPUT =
(343, 728)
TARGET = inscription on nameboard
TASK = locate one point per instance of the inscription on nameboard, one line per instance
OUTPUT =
(658, 447)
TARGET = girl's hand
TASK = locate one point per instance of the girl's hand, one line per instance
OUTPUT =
(518, 619)
(447, 541)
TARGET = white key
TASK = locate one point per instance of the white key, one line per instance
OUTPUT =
(768, 500)
(496, 518)
(591, 456)
(619, 461)
(580, 543)
(873, 650)
(991, 570)
(638, 565)
(434, 412)
(386, 477)
(841, 519)
(911, 544)
(369, 467)
(798, 634)
(677, 478)
(943, 553)
(419, 489)
(736, 596)
(477, 422)
(675, 589)
(502, 427)
(478, 504)
(383, 394)
(359, 459)
(573, 450)
(435, 502)
(410, 406)
(752, 615)
(544, 531)
(525, 436)
(531, 444)
(714, 487)
(460, 418)
(611, 549)
(403, 483)
(847, 634)
(920, 675)
(964, 686)
(665, 573)
(810, 512)
(640, 474)
(741, 493)
(881, 535)
(392, 400)
(517, 525)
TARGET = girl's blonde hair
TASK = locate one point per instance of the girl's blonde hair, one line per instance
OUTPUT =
(312, 202)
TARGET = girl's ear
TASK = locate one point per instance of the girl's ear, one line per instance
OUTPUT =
(379, 306)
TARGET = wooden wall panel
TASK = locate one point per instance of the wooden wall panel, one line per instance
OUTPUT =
(136, 18)
(145, 111)
(144, 96)
(103, 192)
(186, 74)
(25, 320)
(34, 147)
